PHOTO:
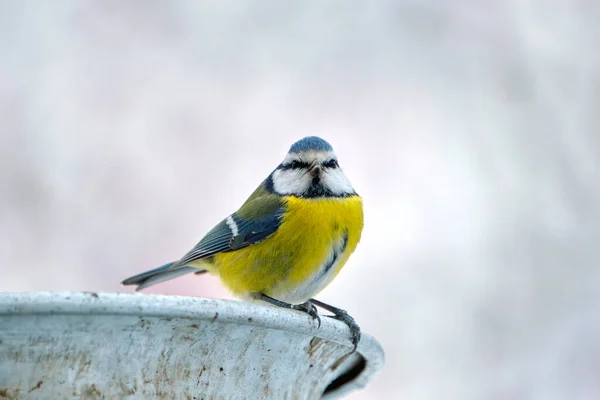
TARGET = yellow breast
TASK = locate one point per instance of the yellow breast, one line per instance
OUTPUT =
(313, 243)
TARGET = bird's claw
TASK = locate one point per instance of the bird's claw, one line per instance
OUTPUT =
(342, 315)
(310, 309)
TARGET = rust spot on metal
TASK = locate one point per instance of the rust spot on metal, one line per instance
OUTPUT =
(91, 391)
(126, 390)
(36, 387)
(200, 375)
(339, 362)
(144, 323)
(9, 394)
(314, 345)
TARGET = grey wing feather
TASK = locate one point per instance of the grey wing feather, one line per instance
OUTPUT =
(254, 222)
(157, 275)
(222, 238)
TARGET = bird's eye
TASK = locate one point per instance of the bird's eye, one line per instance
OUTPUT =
(331, 164)
(296, 164)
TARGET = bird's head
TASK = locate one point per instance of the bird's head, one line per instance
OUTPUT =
(310, 169)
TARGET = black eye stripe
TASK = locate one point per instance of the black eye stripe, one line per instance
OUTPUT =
(331, 164)
(295, 165)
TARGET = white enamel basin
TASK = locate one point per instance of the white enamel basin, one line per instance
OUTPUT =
(123, 346)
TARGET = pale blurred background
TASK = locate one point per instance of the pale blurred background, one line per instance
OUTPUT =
(472, 130)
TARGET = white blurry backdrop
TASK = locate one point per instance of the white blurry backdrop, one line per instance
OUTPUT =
(127, 129)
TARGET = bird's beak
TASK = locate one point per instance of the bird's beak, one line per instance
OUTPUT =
(316, 172)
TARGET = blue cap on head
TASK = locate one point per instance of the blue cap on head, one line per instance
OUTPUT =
(310, 143)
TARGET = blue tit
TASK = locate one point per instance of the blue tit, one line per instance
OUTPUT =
(288, 241)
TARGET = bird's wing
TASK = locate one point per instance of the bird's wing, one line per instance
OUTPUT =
(255, 221)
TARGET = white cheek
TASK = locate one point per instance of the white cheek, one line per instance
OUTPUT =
(336, 181)
(290, 182)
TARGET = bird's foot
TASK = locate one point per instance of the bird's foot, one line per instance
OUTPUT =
(306, 307)
(310, 309)
(342, 315)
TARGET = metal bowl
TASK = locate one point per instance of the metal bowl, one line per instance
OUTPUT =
(123, 346)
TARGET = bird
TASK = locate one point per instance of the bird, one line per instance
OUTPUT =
(288, 240)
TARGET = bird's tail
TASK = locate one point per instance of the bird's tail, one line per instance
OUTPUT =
(160, 274)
